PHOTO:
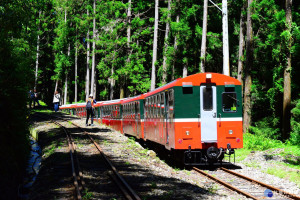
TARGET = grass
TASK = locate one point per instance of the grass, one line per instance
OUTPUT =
(87, 195)
(241, 154)
(281, 172)
(291, 153)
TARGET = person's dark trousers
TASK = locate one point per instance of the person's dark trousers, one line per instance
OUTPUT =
(56, 107)
(36, 101)
(89, 112)
(30, 102)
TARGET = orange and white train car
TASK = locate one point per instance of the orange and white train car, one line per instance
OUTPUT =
(199, 116)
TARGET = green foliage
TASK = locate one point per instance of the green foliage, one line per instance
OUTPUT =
(260, 142)
(295, 125)
(267, 127)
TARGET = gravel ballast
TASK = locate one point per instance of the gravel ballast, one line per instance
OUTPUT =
(151, 177)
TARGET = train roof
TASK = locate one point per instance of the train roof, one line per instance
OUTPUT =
(197, 80)
(112, 102)
(192, 80)
(135, 98)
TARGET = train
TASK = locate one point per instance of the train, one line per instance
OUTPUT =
(198, 117)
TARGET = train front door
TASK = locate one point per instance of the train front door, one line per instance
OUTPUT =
(208, 113)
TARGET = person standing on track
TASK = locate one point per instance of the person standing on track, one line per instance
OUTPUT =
(56, 100)
(31, 98)
(36, 99)
(90, 110)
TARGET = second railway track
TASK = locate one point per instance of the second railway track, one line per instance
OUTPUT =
(121, 151)
(244, 185)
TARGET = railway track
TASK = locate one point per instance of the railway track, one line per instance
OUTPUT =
(246, 186)
(77, 174)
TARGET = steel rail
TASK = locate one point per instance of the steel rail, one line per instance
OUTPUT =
(72, 153)
(292, 196)
(120, 178)
(128, 192)
(225, 184)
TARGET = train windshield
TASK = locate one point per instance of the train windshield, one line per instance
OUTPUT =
(207, 99)
(229, 102)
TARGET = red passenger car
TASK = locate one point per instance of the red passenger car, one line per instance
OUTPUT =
(199, 116)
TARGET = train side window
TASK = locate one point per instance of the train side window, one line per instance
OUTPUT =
(155, 106)
(150, 107)
(158, 106)
(162, 105)
(138, 108)
(229, 102)
(207, 99)
(187, 89)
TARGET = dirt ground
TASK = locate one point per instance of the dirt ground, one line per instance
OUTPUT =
(150, 175)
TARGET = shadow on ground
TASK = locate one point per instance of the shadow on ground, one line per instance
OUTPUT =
(55, 180)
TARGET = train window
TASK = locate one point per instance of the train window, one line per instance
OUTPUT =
(207, 99)
(162, 105)
(188, 89)
(158, 106)
(154, 107)
(150, 108)
(229, 102)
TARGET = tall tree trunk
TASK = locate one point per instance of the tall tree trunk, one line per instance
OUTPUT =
(241, 44)
(287, 76)
(66, 89)
(226, 68)
(56, 85)
(129, 51)
(247, 70)
(112, 84)
(175, 50)
(37, 52)
(66, 78)
(87, 78)
(185, 70)
(129, 27)
(203, 42)
(122, 91)
(76, 62)
(165, 68)
(154, 58)
(93, 52)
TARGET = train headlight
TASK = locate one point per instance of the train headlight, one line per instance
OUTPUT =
(187, 132)
(208, 76)
(230, 132)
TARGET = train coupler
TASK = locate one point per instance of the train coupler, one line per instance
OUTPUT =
(192, 157)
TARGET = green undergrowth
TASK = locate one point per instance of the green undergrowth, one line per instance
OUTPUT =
(289, 168)
(241, 154)
(262, 143)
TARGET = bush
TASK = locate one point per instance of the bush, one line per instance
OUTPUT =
(260, 142)
(268, 127)
(295, 125)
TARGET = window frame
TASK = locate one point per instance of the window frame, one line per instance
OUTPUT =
(236, 102)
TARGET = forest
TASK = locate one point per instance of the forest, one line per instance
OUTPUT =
(115, 49)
